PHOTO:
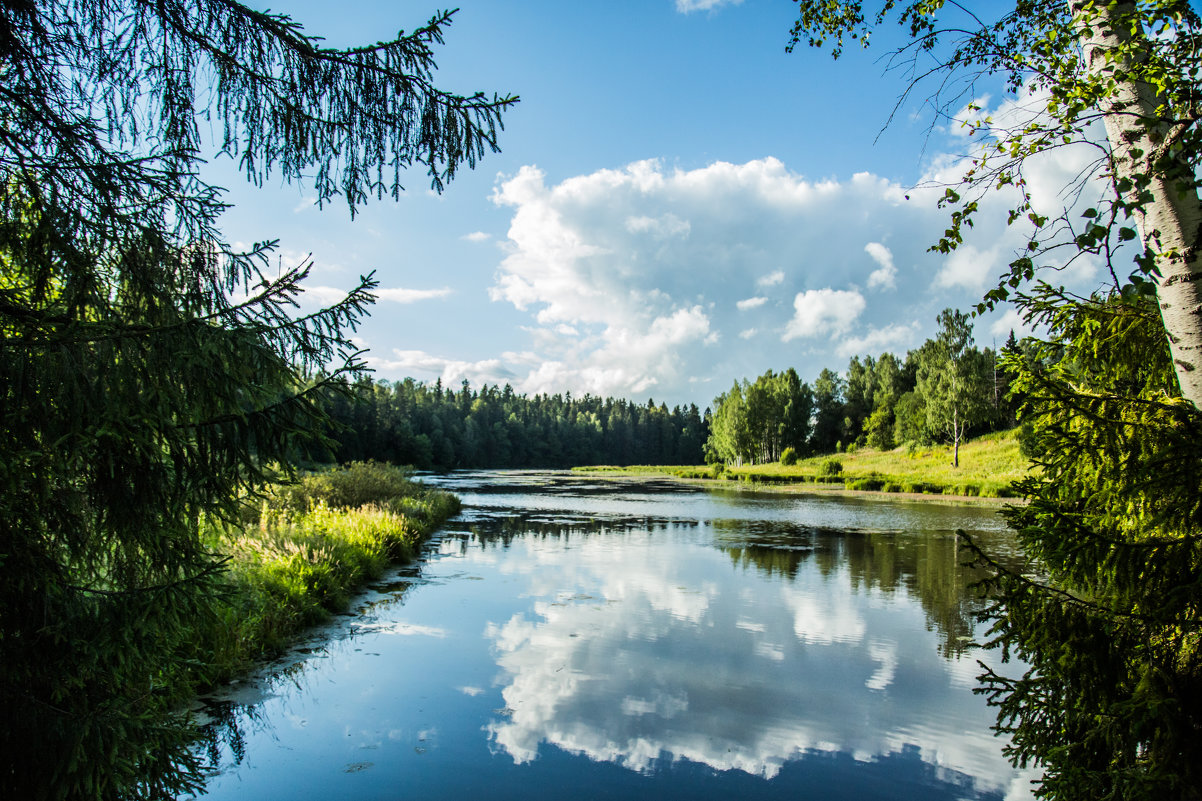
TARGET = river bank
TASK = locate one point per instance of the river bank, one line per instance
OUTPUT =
(303, 553)
(642, 639)
(988, 467)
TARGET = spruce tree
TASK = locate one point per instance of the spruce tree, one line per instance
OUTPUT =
(149, 372)
(1108, 618)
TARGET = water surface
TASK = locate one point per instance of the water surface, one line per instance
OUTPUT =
(568, 637)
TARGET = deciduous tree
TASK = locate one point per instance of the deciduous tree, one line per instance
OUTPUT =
(1109, 706)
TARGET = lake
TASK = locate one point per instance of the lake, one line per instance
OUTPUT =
(568, 637)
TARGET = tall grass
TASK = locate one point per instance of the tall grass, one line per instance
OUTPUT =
(301, 555)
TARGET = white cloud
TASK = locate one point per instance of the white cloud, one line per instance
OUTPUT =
(896, 338)
(451, 371)
(689, 6)
(625, 256)
(398, 295)
(883, 277)
(627, 274)
(1009, 321)
(477, 236)
(663, 227)
(969, 267)
(323, 295)
(823, 312)
(751, 303)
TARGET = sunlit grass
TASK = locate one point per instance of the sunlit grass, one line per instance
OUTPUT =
(988, 465)
(310, 546)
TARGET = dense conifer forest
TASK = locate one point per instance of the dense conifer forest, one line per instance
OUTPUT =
(407, 422)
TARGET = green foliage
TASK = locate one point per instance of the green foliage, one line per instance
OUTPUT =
(1111, 401)
(991, 463)
(1110, 701)
(300, 559)
(148, 370)
(345, 487)
(754, 423)
(788, 456)
(405, 422)
(952, 380)
(879, 429)
(831, 467)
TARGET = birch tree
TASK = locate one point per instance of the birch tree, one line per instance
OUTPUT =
(1111, 642)
(951, 379)
(1130, 66)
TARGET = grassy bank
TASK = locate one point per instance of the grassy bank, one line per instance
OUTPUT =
(304, 551)
(988, 465)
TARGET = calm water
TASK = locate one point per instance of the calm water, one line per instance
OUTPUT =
(571, 638)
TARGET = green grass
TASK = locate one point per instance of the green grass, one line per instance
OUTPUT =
(304, 552)
(988, 465)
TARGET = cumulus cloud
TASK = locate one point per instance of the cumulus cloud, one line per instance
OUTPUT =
(897, 338)
(751, 303)
(883, 277)
(1007, 322)
(663, 227)
(969, 267)
(451, 371)
(826, 312)
(641, 263)
(628, 276)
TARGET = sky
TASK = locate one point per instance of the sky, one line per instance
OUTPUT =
(678, 204)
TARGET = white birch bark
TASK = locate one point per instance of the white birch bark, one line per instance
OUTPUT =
(1170, 223)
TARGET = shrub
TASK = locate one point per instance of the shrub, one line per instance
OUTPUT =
(831, 467)
(347, 487)
(788, 457)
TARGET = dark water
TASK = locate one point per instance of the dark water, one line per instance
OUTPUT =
(568, 638)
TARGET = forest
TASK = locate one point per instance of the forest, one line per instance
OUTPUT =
(943, 391)
(429, 427)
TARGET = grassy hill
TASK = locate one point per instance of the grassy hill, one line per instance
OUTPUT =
(988, 465)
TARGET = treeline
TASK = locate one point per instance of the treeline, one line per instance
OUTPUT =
(945, 390)
(408, 422)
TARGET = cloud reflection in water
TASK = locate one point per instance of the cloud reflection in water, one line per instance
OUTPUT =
(684, 654)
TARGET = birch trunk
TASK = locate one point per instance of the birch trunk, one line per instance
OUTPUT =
(1169, 224)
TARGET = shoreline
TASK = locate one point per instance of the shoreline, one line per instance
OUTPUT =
(797, 487)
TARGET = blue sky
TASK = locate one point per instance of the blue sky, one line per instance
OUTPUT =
(678, 204)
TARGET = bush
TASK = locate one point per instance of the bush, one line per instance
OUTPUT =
(788, 457)
(347, 487)
(831, 467)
